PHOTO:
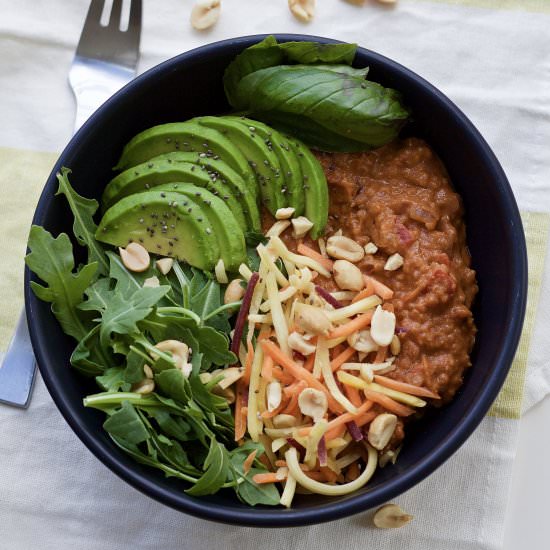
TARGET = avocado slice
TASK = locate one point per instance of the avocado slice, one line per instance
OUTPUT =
(291, 185)
(183, 136)
(314, 185)
(260, 157)
(164, 223)
(220, 217)
(218, 170)
(154, 173)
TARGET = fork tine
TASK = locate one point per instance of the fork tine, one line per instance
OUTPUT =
(116, 12)
(135, 14)
(91, 24)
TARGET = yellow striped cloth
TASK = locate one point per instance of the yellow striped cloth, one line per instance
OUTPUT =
(22, 176)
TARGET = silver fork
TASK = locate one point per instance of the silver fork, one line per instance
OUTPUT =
(106, 57)
(105, 60)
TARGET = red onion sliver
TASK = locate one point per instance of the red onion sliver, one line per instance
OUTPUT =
(322, 451)
(243, 312)
(354, 431)
(300, 448)
(328, 297)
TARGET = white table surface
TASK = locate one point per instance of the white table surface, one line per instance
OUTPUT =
(527, 521)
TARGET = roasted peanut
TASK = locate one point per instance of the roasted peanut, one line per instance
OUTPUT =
(135, 257)
(381, 430)
(390, 516)
(144, 386)
(151, 282)
(395, 261)
(347, 275)
(344, 248)
(205, 13)
(303, 10)
(313, 403)
(164, 265)
(274, 395)
(234, 292)
(301, 225)
(297, 342)
(382, 326)
(312, 319)
(362, 341)
(285, 213)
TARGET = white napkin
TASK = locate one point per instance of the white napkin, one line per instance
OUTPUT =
(494, 64)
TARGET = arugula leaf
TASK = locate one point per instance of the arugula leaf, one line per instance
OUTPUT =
(89, 358)
(174, 426)
(113, 380)
(84, 227)
(216, 468)
(123, 312)
(52, 260)
(126, 424)
(172, 383)
(248, 490)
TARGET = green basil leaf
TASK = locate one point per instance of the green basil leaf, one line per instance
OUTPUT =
(344, 105)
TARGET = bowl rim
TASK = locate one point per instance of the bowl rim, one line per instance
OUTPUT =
(360, 502)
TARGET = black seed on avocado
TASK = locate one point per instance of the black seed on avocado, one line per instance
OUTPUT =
(199, 219)
(141, 220)
(189, 210)
(208, 230)
(150, 165)
(202, 155)
(192, 168)
(170, 243)
(163, 195)
(147, 186)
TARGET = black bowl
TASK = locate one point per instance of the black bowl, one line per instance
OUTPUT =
(190, 85)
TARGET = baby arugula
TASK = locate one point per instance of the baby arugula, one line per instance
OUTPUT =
(182, 428)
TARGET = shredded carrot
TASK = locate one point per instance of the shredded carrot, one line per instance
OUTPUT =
(276, 411)
(380, 289)
(404, 387)
(366, 418)
(282, 376)
(280, 463)
(270, 348)
(267, 368)
(381, 354)
(248, 363)
(317, 476)
(330, 476)
(361, 321)
(265, 461)
(294, 388)
(342, 418)
(365, 293)
(310, 253)
(267, 477)
(337, 350)
(292, 405)
(247, 464)
(240, 423)
(388, 403)
(339, 431)
(388, 307)
(353, 395)
(340, 359)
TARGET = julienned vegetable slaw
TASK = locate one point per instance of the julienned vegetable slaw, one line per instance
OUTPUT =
(321, 419)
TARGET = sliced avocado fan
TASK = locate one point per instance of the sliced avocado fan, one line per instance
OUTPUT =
(164, 223)
(152, 173)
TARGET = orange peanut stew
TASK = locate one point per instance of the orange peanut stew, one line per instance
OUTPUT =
(354, 333)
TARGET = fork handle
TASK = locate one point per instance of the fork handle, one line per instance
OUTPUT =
(92, 88)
